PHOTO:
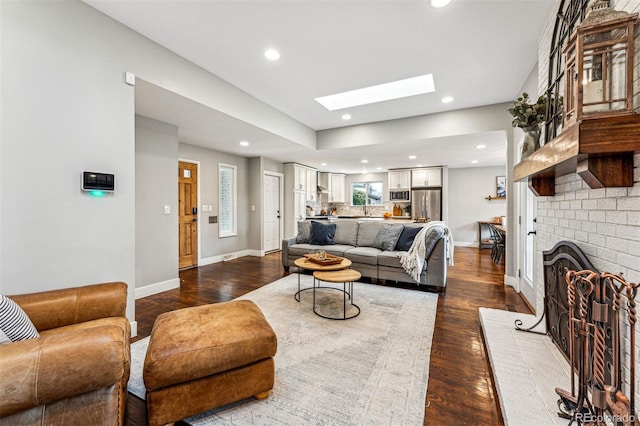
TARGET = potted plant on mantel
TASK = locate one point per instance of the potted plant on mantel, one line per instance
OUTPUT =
(529, 117)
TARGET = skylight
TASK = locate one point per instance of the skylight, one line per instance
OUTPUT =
(381, 92)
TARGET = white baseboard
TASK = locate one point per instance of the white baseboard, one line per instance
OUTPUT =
(465, 244)
(134, 328)
(209, 260)
(233, 255)
(512, 282)
(156, 288)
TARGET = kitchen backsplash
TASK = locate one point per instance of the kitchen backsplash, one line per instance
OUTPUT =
(347, 210)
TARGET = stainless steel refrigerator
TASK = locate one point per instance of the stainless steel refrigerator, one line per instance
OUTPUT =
(426, 203)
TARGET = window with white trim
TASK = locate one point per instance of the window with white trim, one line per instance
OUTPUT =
(228, 200)
(366, 194)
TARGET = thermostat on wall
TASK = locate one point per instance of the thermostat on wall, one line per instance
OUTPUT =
(94, 181)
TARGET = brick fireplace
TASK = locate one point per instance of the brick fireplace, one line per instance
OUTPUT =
(590, 316)
(604, 223)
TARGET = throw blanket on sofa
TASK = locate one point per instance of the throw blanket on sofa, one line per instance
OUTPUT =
(413, 260)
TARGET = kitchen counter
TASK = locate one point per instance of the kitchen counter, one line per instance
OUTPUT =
(399, 219)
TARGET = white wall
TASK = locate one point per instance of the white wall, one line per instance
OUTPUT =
(156, 187)
(450, 123)
(468, 188)
(65, 108)
(212, 247)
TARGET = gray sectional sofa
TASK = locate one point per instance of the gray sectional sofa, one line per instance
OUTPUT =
(372, 246)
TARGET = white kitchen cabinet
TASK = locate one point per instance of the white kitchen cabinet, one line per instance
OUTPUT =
(312, 184)
(300, 186)
(300, 208)
(334, 183)
(426, 177)
(337, 188)
(434, 177)
(300, 175)
(301, 178)
(399, 179)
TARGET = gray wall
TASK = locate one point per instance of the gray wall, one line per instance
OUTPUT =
(210, 244)
(272, 165)
(156, 186)
(257, 168)
(468, 188)
(256, 180)
(65, 108)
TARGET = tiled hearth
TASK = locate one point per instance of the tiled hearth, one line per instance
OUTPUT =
(527, 367)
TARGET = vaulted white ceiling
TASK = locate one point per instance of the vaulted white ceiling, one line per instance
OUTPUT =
(479, 51)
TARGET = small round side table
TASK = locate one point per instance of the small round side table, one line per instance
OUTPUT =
(346, 277)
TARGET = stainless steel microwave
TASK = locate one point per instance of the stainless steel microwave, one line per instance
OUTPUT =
(399, 195)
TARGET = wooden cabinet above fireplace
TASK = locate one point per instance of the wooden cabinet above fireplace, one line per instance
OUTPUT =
(600, 150)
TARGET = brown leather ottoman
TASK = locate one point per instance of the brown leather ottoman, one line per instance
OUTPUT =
(207, 356)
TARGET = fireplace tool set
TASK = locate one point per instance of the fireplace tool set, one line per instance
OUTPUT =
(597, 305)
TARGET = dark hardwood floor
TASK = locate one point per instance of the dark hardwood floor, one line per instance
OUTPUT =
(460, 389)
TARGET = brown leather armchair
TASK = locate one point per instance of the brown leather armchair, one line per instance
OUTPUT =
(77, 371)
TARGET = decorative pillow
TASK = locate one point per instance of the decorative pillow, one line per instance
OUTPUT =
(322, 234)
(406, 238)
(431, 239)
(304, 232)
(346, 232)
(367, 232)
(388, 237)
(3, 338)
(14, 322)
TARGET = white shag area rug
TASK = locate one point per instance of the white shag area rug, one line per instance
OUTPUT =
(372, 369)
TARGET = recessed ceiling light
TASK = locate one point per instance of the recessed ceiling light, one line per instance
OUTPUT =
(412, 157)
(447, 100)
(323, 164)
(381, 92)
(346, 116)
(418, 165)
(364, 161)
(272, 54)
(244, 143)
(378, 168)
(440, 3)
(474, 161)
(481, 146)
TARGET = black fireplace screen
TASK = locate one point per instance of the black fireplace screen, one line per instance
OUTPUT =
(563, 257)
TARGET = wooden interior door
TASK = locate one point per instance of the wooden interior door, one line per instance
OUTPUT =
(187, 214)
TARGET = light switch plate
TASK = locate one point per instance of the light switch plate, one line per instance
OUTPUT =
(130, 78)
(167, 209)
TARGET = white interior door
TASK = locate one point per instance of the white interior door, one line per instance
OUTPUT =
(527, 244)
(272, 213)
